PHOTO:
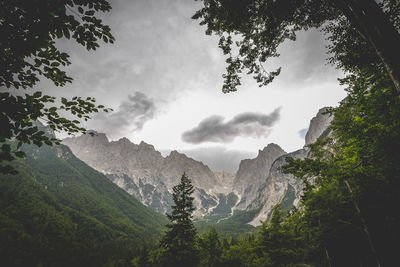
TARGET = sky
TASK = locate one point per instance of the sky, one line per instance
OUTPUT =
(162, 77)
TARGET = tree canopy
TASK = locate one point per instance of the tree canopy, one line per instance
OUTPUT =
(257, 27)
(28, 52)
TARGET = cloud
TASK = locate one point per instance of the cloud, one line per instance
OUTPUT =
(214, 129)
(158, 50)
(131, 116)
(303, 132)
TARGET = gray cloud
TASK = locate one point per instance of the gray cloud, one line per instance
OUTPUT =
(214, 129)
(310, 64)
(159, 39)
(158, 46)
(161, 51)
(131, 115)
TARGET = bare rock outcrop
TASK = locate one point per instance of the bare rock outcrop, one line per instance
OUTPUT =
(318, 125)
(253, 173)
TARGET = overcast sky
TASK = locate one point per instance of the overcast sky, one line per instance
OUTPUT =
(162, 77)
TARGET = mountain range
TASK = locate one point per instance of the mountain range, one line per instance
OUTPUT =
(257, 186)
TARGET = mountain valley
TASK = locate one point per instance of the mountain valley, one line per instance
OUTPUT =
(143, 172)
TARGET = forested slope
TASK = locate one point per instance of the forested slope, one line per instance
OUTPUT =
(60, 212)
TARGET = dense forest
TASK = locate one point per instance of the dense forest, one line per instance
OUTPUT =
(57, 211)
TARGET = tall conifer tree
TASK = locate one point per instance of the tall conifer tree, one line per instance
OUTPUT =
(179, 247)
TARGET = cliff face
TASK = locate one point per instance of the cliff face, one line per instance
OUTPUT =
(225, 179)
(252, 174)
(133, 167)
(318, 125)
(175, 164)
(279, 187)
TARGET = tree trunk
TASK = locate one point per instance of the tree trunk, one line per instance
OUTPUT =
(327, 257)
(374, 26)
(364, 223)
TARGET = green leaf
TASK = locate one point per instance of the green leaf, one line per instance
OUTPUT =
(37, 94)
(66, 32)
(89, 13)
(49, 143)
(59, 33)
(6, 148)
(20, 154)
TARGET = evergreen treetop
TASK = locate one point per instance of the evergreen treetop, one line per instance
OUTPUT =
(178, 244)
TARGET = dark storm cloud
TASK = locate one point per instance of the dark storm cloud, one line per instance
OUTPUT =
(158, 46)
(131, 115)
(214, 129)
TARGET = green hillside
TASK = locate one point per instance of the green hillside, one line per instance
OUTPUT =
(234, 226)
(60, 212)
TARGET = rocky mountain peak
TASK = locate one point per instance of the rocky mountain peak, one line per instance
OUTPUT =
(143, 145)
(270, 149)
(176, 154)
(124, 140)
(318, 125)
(92, 138)
(245, 162)
(253, 173)
(184, 159)
(175, 164)
(46, 129)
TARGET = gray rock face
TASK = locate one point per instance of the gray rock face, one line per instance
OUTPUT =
(225, 179)
(283, 188)
(253, 173)
(145, 173)
(177, 163)
(135, 168)
(318, 125)
(278, 188)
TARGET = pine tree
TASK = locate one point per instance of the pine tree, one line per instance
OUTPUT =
(211, 249)
(143, 259)
(178, 244)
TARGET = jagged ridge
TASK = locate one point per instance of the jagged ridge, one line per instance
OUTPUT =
(143, 172)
